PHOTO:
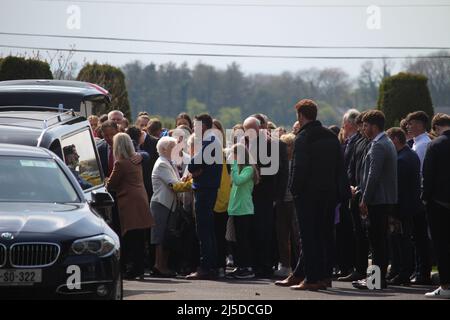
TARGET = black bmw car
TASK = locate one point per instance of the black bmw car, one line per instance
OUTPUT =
(52, 241)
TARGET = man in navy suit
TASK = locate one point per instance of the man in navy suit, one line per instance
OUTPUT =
(409, 204)
(207, 175)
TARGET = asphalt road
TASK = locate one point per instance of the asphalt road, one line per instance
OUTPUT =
(181, 289)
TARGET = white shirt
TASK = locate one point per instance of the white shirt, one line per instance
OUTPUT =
(420, 147)
(378, 137)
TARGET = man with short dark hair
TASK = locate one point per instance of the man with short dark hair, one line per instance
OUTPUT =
(109, 130)
(379, 190)
(417, 123)
(155, 128)
(206, 183)
(408, 173)
(436, 195)
(318, 167)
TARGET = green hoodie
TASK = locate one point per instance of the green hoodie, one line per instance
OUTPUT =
(241, 201)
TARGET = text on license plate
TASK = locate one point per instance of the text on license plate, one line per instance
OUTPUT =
(20, 276)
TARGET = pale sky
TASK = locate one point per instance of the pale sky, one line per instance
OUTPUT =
(426, 24)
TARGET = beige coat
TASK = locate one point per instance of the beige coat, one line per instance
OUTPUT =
(127, 181)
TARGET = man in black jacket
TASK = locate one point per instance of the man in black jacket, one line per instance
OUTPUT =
(436, 195)
(149, 146)
(266, 191)
(344, 229)
(355, 172)
(316, 187)
(409, 204)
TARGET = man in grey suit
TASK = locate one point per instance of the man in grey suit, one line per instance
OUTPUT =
(379, 189)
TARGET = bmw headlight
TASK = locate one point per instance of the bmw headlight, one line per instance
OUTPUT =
(101, 246)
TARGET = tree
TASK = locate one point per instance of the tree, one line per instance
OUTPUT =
(230, 116)
(404, 93)
(327, 114)
(437, 71)
(14, 68)
(113, 80)
(367, 89)
(194, 107)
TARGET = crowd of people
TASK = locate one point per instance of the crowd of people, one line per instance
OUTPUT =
(342, 198)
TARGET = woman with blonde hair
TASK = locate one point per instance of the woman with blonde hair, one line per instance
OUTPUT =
(134, 213)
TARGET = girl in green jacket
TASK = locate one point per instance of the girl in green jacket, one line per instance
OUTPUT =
(244, 176)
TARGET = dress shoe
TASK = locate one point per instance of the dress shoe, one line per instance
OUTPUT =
(391, 275)
(421, 281)
(158, 274)
(264, 274)
(303, 286)
(362, 285)
(399, 281)
(282, 272)
(327, 283)
(289, 281)
(201, 275)
(354, 276)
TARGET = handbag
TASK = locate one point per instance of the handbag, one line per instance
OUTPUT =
(177, 222)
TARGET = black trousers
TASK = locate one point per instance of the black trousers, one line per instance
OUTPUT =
(220, 227)
(401, 248)
(378, 235)
(421, 243)
(244, 231)
(361, 240)
(345, 240)
(189, 257)
(115, 219)
(316, 224)
(439, 218)
(263, 240)
(133, 251)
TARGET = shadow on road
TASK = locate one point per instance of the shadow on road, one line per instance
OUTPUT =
(131, 293)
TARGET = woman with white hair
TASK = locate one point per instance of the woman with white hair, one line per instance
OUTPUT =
(134, 213)
(166, 182)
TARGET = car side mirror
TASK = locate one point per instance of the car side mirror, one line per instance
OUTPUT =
(101, 200)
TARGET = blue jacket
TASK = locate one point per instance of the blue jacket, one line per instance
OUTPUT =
(209, 174)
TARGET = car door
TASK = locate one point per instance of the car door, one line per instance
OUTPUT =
(80, 154)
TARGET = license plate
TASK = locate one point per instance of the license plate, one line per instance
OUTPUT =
(20, 277)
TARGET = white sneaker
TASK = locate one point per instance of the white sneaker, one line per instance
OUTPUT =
(439, 293)
(282, 272)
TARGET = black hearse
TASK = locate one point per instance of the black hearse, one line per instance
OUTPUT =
(52, 243)
(52, 114)
(82, 97)
(34, 113)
